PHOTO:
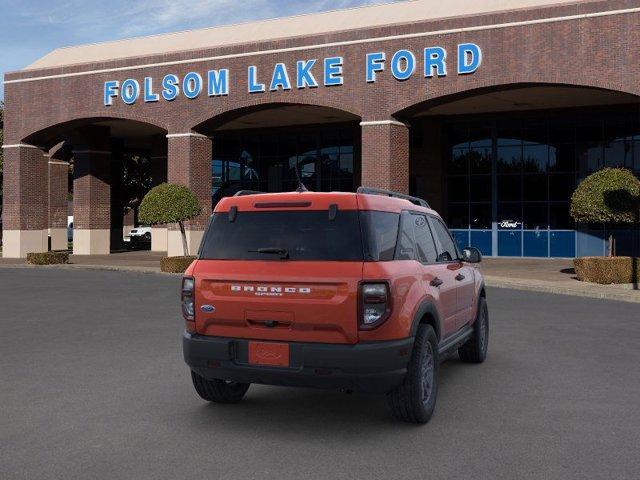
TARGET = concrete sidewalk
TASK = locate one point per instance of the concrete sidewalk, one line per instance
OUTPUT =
(551, 276)
(539, 275)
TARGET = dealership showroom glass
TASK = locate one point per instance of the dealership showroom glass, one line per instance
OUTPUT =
(493, 111)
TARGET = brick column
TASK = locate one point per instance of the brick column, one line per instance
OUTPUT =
(92, 192)
(158, 176)
(58, 190)
(385, 155)
(24, 201)
(116, 226)
(189, 164)
(427, 157)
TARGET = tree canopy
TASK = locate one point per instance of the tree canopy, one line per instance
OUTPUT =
(168, 203)
(610, 195)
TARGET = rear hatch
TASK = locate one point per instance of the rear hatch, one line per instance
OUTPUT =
(284, 271)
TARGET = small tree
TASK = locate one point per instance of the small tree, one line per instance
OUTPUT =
(169, 203)
(608, 196)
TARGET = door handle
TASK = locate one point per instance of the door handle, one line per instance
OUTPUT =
(436, 282)
(460, 277)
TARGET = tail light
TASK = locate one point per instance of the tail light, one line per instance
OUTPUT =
(187, 298)
(375, 304)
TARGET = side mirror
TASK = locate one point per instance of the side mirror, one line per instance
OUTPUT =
(471, 255)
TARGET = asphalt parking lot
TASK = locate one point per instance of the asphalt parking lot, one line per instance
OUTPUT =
(94, 386)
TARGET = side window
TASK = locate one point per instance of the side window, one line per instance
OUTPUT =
(447, 251)
(406, 243)
(424, 240)
(380, 233)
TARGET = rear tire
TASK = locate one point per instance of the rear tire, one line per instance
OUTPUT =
(415, 399)
(475, 349)
(219, 391)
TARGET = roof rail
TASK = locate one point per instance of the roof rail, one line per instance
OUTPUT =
(242, 193)
(389, 193)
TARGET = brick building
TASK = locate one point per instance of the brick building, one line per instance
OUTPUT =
(492, 111)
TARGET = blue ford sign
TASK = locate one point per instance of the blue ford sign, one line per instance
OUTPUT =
(309, 73)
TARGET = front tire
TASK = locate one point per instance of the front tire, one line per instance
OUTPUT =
(475, 349)
(415, 399)
(219, 391)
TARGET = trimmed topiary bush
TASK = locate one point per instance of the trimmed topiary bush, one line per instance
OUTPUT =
(606, 196)
(48, 258)
(170, 203)
(175, 264)
(607, 270)
(609, 196)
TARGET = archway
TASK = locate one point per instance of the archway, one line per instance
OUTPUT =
(267, 147)
(113, 163)
(500, 164)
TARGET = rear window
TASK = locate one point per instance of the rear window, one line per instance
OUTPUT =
(303, 235)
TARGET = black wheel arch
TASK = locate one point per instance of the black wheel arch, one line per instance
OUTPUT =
(427, 313)
(482, 292)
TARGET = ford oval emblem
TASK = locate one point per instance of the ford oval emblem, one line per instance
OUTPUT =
(208, 308)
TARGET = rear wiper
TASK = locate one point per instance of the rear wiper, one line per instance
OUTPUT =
(283, 252)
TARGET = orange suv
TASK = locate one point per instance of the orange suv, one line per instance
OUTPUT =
(361, 291)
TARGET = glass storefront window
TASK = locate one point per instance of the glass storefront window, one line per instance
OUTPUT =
(460, 161)
(458, 215)
(618, 154)
(559, 217)
(535, 158)
(480, 188)
(480, 217)
(521, 168)
(535, 216)
(458, 188)
(562, 157)
(535, 187)
(480, 159)
(510, 158)
(561, 186)
(509, 188)
(266, 161)
(510, 215)
(589, 157)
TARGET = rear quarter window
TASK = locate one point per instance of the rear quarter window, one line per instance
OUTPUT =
(380, 233)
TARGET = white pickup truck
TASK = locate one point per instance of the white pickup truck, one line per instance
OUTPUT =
(139, 236)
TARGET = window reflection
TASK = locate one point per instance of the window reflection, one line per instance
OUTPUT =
(267, 161)
(538, 163)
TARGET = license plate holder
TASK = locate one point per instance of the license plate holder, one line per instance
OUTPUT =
(269, 354)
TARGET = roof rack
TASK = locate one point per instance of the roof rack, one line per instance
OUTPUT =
(242, 193)
(389, 193)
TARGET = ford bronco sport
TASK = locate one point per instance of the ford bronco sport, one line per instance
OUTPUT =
(358, 291)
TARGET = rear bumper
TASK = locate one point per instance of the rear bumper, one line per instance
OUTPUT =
(364, 367)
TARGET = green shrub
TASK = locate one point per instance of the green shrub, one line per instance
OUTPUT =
(607, 270)
(175, 264)
(169, 203)
(609, 195)
(47, 258)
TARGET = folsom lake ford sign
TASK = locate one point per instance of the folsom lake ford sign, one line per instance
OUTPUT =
(310, 73)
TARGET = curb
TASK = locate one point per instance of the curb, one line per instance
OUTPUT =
(113, 268)
(606, 292)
